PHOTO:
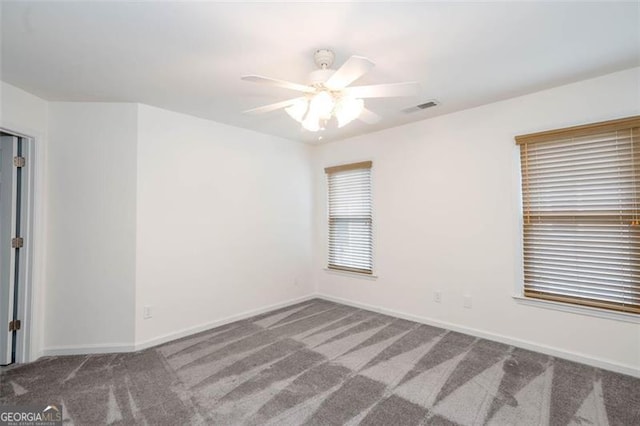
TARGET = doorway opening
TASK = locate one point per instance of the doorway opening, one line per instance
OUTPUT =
(15, 227)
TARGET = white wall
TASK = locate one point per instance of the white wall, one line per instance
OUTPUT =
(27, 114)
(204, 221)
(190, 244)
(447, 218)
(21, 111)
(91, 240)
(223, 223)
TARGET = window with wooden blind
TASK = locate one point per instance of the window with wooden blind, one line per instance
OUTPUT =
(581, 214)
(350, 217)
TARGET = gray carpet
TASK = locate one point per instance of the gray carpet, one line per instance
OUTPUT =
(321, 363)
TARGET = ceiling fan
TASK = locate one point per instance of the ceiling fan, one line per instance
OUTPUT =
(329, 95)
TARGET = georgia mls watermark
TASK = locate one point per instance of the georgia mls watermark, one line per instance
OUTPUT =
(31, 415)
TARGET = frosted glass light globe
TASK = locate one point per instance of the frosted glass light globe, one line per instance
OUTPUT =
(348, 109)
(321, 105)
(311, 123)
(298, 109)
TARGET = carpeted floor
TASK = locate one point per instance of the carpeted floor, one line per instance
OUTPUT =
(321, 363)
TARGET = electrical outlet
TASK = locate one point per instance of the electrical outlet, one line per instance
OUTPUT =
(437, 296)
(146, 312)
(467, 301)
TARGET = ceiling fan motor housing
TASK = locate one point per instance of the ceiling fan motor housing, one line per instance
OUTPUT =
(319, 77)
(324, 58)
(328, 94)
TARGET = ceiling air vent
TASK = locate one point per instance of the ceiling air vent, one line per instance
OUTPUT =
(425, 105)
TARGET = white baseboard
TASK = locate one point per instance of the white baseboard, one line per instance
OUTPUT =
(87, 349)
(124, 347)
(548, 350)
(524, 344)
(217, 323)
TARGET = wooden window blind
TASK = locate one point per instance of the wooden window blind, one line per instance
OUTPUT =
(580, 194)
(350, 217)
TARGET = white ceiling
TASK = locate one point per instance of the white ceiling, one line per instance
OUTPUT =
(188, 57)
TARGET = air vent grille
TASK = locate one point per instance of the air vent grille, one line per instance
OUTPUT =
(428, 104)
(424, 105)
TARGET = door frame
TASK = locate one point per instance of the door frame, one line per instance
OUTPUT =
(23, 346)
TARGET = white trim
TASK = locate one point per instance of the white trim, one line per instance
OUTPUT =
(88, 349)
(352, 274)
(25, 350)
(578, 309)
(124, 347)
(32, 350)
(217, 323)
(519, 271)
(27, 257)
(572, 356)
(325, 224)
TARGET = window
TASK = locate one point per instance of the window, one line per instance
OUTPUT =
(350, 221)
(580, 189)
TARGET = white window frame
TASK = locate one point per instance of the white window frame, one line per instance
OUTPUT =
(345, 273)
(519, 282)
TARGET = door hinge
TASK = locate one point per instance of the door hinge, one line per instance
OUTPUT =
(17, 242)
(14, 325)
(19, 161)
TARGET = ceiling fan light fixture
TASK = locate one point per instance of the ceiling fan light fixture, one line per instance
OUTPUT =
(298, 109)
(348, 109)
(321, 105)
(311, 122)
(330, 95)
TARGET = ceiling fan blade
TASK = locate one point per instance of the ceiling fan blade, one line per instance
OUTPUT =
(368, 116)
(278, 83)
(272, 107)
(350, 71)
(391, 90)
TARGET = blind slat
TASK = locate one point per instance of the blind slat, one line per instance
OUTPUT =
(581, 213)
(350, 218)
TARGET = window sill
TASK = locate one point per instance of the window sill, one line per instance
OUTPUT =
(577, 309)
(352, 274)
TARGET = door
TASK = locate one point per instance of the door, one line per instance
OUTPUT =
(10, 181)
